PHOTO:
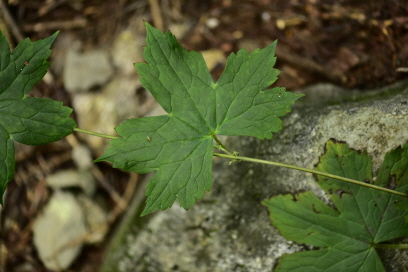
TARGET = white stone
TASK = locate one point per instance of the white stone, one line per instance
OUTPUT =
(127, 50)
(214, 57)
(103, 111)
(82, 157)
(84, 71)
(212, 22)
(57, 231)
(96, 219)
(72, 178)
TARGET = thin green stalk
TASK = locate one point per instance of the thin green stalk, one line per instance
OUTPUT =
(95, 133)
(310, 171)
(235, 158)
(391, 246)
(221, 146)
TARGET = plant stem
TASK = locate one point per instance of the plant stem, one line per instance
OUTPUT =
(95, 133)
(221, 146)
(391, 246)
(311, 171)
(233, 157)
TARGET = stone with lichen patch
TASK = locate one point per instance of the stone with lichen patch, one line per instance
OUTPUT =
(229, 229)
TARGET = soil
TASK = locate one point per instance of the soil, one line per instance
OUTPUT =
(355, 44)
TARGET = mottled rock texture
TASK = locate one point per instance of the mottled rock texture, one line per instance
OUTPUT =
(229, 229)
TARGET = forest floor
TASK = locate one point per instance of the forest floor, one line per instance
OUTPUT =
(353, 44)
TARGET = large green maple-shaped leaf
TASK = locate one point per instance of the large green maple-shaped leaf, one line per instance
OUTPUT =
(27, 120)
(179, 146)
(363, 217)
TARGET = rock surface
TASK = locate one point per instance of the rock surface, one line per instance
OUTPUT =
(229, 229)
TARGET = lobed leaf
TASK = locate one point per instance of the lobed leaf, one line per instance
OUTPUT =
(179, 146)
(362, 217)
(27, 120)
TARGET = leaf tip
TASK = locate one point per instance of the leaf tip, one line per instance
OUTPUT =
(146, 23)
(51, 38)
(150, 28)
(147, 211)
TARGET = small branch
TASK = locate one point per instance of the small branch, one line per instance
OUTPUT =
(311, 171)
(156, 14)
(10, 21)
(95, 133)
(310, 65)
(58, 25)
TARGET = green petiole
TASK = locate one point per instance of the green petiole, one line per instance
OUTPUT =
(95, 133)
(238, 158)
(311, 171)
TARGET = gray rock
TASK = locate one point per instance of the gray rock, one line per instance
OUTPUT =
(229, 229)
(84, 71)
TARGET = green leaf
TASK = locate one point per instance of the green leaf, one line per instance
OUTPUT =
(179, 146)
(27, 120)
(395, 167)
(362, 217)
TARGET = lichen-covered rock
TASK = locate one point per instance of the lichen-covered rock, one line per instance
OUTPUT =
(229, 229)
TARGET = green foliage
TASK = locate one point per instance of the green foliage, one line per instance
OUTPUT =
(27, 120)
(397, 168)
(179, 146)
(362, 217)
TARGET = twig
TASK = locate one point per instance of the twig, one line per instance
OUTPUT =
(310, 65)
(10, 21)
(49, 6)
(112, 192)
(77, 23)
(125, 199)
(156, 14)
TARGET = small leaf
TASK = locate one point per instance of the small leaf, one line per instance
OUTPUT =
(27, 120)
(180, 148)
(362, 217)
